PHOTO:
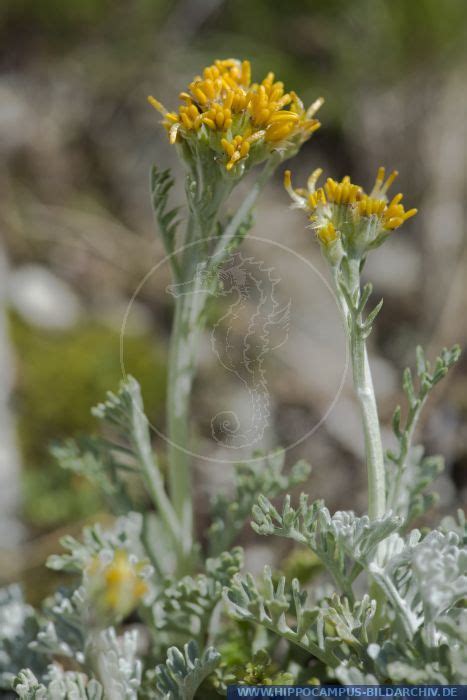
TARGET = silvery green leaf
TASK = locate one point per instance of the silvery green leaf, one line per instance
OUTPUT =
(18, 628)
(424, 579)
(124, 534)
(48, 642)
(350, 675)
(400, 661)
(185, 606)
(70, 685)
(361, 536)
(333, 631)
(127, 450)
(28, 687)
(124, 413)
(59, 685)
(418, 661)
(409, 472)
(341, 541)
(263, 475)
(161, 184)
(439, 565)
(454, 627)
(91, 458)
(64, 627)
(118, 667)
(406, 672)
(459, 526)
(413, 662)
(410, 499)
(184, 671)
(351, 623)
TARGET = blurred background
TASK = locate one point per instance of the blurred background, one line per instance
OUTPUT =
(77, 235)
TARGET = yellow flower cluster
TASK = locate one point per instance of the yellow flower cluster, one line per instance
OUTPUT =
(117, 587)
(341, 203)
(236, 114)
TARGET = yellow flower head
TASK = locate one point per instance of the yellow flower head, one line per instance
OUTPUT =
(117, 586)
(343, 209)
(239, 120)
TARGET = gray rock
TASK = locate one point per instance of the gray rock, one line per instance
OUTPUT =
(41, 298)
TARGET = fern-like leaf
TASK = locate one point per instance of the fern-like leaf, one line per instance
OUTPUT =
(59, 684)
(161, 184)
(184, 671)
(185, 607)
(287, 613)
(344, 542)
(409, 472)
(262, 475)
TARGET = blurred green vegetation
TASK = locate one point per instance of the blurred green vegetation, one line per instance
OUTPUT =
(62, 375)
(339, 49)
(301, 564)
(331, 45)
(55, 25)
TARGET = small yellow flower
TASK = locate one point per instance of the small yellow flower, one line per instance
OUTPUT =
(118, 586)
(391, 213)
(343, 208)
(239, 120)
(328, 234)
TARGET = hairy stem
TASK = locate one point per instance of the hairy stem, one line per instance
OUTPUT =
(243, 211)
(190, 301)
(182, 358)
(373, 447)
(155, 487)
(363, 384)
(364, 390)
(190, 295)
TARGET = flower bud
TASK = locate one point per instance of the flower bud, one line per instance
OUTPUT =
(116, 585)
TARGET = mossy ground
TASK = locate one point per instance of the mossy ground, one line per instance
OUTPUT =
(60, 375)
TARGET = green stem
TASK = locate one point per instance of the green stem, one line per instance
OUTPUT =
(149, 547)
(190, 299)
(373, 447)
(407, 617)
(364, 389)
(155, 487)
(363, 384)
(187, 325)
(243, 211)
(182, 358)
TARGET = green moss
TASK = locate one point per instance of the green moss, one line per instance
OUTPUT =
(301, 564)
(258, 670)
(60, 376)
